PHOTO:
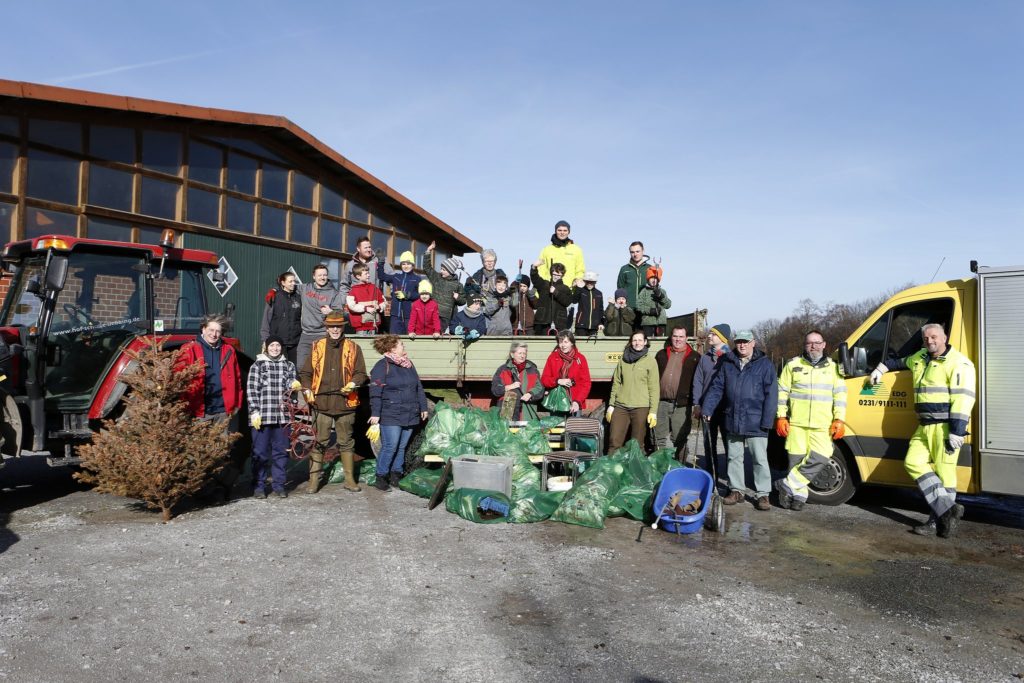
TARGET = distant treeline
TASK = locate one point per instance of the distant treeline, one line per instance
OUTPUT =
(783, 339)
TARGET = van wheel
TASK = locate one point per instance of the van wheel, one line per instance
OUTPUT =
(836, 484)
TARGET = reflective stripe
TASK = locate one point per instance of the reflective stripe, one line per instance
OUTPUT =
(812, 387)
(962, 392)
(810, 397)
(959, 416)
(932, 390)
(840, 404)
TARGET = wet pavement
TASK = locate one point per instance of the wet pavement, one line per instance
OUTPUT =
(358, 586)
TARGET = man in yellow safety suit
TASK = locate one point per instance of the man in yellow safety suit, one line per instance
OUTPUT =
(812, 407)
(944, 386)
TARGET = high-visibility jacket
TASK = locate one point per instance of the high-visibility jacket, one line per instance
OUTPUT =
(350, 352)
(811, 394)
(943, 387)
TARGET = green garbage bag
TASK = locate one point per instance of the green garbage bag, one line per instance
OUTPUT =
(333, 472)
(367, 472)
(557, 400)
(633, 502)
(534, 439)
(457, 448)
(442, 428)
(466, 504)
(505, 443)
(535, 506)
(525, 477)
(663, 460)
(474, 429)
(588, 501)
(421, 482)
(549, 421)
(638, 470)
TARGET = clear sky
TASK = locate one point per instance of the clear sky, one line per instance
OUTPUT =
(767, 151)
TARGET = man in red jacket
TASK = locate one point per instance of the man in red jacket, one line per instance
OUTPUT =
(216, 393)
(677, 363)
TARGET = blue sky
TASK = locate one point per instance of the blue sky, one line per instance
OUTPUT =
(768, 152)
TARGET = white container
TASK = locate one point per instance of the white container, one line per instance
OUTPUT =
(486, 472)
(562, 483)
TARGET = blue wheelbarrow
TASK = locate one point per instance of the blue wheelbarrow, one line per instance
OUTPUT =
(686, 500)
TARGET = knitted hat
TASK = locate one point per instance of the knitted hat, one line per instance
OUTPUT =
(590, 276)
(653, 271)
(722, 331)
(523, 279)
(562, 224)
(452, 264)
(472, 289)
(407, 257)
(334, 319)
(620, 292)
(274, 338)
(425, 286)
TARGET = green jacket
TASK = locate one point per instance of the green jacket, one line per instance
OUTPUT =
(444, 289)
(631, 278)
(652, 306)
(636, 385)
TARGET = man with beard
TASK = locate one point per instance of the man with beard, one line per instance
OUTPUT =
(812, 407)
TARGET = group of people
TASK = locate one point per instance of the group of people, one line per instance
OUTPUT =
(733, 389)
(557, 294)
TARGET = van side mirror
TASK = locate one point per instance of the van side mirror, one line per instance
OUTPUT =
(845, 361)
(57, 273)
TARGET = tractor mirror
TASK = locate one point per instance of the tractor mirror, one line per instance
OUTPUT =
(57, 273)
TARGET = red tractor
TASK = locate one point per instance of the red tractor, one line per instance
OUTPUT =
(72, 309)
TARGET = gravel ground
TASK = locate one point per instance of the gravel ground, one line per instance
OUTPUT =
(346, 586)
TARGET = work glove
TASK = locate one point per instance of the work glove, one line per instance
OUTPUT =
(400, 295)
(782, 426)
(348, 388)
(837, 430)
(308, 395)
(954, 442)
(876, 374)
(473, 335)
(295, 385)
(458, 330)
(608, 413)
(652, 420)
(256, 420)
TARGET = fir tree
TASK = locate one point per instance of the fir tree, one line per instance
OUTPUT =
(155, 451)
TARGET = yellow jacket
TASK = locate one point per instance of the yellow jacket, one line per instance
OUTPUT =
(811, 394)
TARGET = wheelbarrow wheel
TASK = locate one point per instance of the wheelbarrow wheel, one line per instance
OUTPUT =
(715, 519)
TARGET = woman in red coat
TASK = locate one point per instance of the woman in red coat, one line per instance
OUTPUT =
(567, 367)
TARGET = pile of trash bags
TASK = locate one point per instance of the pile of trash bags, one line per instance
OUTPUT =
(620, 485)
(452, 432)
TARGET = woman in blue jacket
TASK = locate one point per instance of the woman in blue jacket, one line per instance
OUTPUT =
(745, 384)
(397, 403)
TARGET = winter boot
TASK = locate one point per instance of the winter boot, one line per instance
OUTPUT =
(926, 529)
(381, 483)
(348, 464)
(394, 478)
(316, 466)
(950, 520)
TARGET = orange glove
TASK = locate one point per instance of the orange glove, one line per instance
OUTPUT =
(837, 430)
(782, 426)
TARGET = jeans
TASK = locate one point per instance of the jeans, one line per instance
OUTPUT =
(758, 445)
(393, 440)
(269, 452)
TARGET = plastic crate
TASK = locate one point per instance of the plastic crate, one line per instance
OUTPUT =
(489, 473)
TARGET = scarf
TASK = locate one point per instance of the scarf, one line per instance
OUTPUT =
(559, 243)
(519, 366)
(631, 355)
(567, 360)
(398, 360)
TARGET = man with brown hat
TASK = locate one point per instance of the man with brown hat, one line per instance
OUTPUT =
(332, 375)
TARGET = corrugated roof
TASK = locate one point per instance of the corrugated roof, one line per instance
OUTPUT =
(276, 125)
